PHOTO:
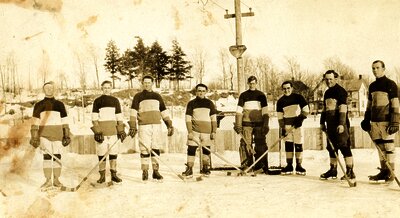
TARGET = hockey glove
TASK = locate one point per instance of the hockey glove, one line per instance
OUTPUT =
(298, 122)
(366, 125)
(98, 135)
(170, 128)
(35, 140)
(238, 129)
(190, 136)
(66, 140)
(132, 129)
(323, 127)
(121, 131)
(393, 125)
(283, 132)
(212, 135)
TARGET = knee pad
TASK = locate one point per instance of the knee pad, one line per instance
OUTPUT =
(260, 149)
(46, 157)
(298, 147)
(157, 151)
(346, 151)
(332, 153)
(100, 157)
(289, 146)
(144, 155)
(389, 146)
(205, 151)
(112, 156)
(191, 150)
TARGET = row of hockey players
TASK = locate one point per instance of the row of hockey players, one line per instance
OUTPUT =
(381, 121)
(50, 127)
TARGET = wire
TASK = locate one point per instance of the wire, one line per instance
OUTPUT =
(245, 4)
(218, 5)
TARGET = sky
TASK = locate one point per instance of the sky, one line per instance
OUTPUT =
(357, 32)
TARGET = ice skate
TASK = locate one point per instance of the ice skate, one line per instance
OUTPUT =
(331, 173)
(300, 170)
(288, 170)
(188, 172)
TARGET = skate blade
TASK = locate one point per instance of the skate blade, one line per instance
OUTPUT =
(301, 173)
(101, 185)
(286, 173)
(332, 177)
(158, 180)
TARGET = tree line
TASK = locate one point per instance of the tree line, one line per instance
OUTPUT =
(147, 60)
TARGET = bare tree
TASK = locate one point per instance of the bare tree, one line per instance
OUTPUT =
(345, 71)
(82, 71)
(94, 54)
(224, 58)
(199, 65)
(294, 69)
(44, 68)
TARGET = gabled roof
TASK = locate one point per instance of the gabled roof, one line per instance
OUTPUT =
(353, 84)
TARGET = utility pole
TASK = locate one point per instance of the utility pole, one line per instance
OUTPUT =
(238, 49)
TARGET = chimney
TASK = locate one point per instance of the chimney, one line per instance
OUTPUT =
(360, 77)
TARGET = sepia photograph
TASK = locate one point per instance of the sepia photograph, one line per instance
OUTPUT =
(199, 108)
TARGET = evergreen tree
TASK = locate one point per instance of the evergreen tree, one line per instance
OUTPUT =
(112, 59)
(179, 68)
(140, 57)
(158, 62)
(127, 67)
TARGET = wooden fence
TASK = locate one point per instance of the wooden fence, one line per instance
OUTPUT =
(314, 139)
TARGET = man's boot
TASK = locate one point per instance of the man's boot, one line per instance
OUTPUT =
(102, 178)
(114, 176)
(47, 175)
(145, 175)
(349, 173)
(57, 174)
(156, 174)
(188, 173)
(113, 170)
(332, 172)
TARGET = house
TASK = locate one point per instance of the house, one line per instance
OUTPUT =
(357, 90)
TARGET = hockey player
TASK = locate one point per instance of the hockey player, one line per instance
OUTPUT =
(108, 128)
(292, 109)
(147, 110)
(201, 124)
(381, 119)
(50, 130)
(252, 121)
(335, 122)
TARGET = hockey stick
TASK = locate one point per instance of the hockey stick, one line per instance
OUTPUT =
(159, 159)
(219, 156)
(91, 171)
(58, 160)
(266, 152)
(3, 193)
(351, 184)
(385, 159)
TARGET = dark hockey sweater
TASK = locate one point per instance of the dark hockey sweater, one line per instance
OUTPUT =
(335, 105)
(50, 115)
(200, 112)
(382, 100)
(289, 107)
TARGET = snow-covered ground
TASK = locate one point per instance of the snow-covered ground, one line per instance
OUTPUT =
(217, 196)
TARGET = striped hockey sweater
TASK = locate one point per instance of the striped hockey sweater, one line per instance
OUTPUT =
(149, 108)
(50, 115)
(289, 107)
(107, 111)
(252, 105)
(201, 113)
